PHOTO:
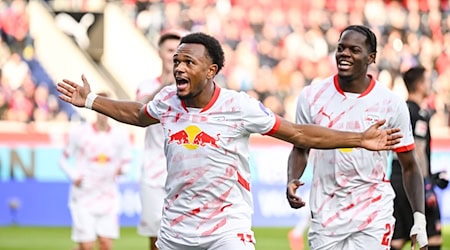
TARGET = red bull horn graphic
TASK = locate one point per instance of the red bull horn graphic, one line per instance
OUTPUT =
(193, 137)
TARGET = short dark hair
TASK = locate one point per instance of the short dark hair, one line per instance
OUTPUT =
(212, 45)
(371, 39)
(412, 76)
(168, 36)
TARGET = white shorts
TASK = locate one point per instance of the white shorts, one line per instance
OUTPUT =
(235, 242)
(376, 238)
(152, 201)
(87, 226)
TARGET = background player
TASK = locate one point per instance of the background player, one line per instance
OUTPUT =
(419, 87)
(95, 155)
(153, 168)
(351, 200)
(207, 129)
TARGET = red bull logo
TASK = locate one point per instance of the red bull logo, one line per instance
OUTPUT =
(101, 159)
(193, 137)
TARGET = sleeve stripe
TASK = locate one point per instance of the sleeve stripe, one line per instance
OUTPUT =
(149, 115)
(275, 127)
(405, 148)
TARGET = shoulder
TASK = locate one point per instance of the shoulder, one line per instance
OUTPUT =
(381, 90)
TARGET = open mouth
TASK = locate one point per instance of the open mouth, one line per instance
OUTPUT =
(181, 83)
(344, 65)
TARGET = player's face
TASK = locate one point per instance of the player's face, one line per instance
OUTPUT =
(166, 51)
(352, 55)
(192, 69)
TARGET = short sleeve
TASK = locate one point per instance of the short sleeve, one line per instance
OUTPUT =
(402, 121)
(161, 102)
(256, 117)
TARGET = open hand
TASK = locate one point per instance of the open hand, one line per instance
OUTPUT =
(294, 200)
(73, 93)
(380, 139)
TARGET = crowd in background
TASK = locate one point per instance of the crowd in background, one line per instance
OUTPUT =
(27, 93)
(273, 48)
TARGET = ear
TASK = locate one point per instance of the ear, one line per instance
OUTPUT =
(212, 71)
(372, 57)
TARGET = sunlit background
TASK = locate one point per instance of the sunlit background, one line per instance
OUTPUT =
(273, 49)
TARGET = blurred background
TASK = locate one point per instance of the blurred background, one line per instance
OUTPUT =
(272, 50)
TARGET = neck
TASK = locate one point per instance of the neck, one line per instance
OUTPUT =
(415, 97)
(101, 126)
(354, 85)
(201, 99)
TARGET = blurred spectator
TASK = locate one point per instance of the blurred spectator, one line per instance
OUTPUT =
(274, 48)
(14, 25)
(27, 94)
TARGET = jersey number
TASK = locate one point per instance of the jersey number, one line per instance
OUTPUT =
(385, 240)
(246, 237)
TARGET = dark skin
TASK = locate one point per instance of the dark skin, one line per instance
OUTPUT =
(194, 72)
(353, 58)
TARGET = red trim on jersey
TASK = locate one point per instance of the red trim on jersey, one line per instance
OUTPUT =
(149, 115)
(210, 103)
(275, 127)
(213, 99)
(364, 93)
(243, 182)
(405, 148)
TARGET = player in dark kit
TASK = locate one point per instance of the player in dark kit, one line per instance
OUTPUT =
(418, 87)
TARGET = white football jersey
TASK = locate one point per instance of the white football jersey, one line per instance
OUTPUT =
(153, 166)
(349, 187)
(96, 157)
(207, 151)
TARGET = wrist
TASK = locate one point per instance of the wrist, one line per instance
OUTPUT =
(419, 218)
(90, 100)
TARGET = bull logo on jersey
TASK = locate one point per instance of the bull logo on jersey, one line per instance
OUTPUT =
(101, 159)
(193, 137)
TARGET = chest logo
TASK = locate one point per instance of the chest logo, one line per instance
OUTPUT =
(193, 137)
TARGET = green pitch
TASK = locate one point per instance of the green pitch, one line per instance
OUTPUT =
(58, 238)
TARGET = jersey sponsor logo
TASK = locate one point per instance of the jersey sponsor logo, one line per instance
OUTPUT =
(101, 159)
(371, 119)
(193, 137)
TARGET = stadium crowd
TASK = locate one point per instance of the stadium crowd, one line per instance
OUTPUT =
(27, 93)
(273, 48)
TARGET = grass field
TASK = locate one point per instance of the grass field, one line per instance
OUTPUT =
(58, 238)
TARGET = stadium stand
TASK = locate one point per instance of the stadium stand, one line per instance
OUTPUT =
(273, 48)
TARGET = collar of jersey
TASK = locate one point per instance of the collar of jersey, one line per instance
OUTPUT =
(210, 103)
(364, 93)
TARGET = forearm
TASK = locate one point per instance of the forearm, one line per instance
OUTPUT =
(413, 185)
(314, 136)
(297, 162)
(120, 110)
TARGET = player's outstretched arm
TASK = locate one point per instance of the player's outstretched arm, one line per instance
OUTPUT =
(129, 112)
(414, 187)
(315, 136)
